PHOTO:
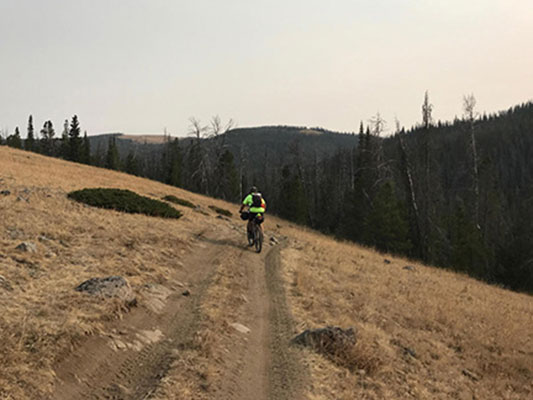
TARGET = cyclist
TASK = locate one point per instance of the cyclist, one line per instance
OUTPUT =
(256, 208)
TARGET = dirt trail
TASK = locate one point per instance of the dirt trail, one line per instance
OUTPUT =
(131, 363)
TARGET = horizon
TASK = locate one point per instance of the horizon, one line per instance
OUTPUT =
(152, 66)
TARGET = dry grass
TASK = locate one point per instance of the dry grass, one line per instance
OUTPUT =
(42, 318)
(423, 332)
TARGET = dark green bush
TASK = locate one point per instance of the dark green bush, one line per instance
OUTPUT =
(221, 211)
(124, 200)
(177, 200)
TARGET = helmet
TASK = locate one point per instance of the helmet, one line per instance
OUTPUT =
(253, 189)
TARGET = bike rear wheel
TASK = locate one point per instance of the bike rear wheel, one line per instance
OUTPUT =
(258, 238)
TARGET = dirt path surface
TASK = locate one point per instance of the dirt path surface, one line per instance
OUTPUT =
(131, 363)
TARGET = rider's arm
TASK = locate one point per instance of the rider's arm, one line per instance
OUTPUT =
(246, 202)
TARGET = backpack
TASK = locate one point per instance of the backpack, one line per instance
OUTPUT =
(256, 200)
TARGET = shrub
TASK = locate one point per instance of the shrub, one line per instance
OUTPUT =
(124, 200)
(181, 202)
(221, 211)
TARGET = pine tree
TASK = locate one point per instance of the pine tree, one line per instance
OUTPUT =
(227, 177)
(386, 226)
(74, 140)
(131, 165)
(175, 161)
(29, 144)
(14, 140)
(112, 158)
(85, 150)
(47, 138)
(292, 200)
(64, 145)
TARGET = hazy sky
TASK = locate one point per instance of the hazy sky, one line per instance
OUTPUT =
(142, 65)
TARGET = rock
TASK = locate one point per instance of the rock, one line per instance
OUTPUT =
(240, 328)
(386, 261)
(222, 217)
(470, 374)
(331, 340)
(44, 239)
(27, 247)
(5, 192)
(112, 286)
(409, 268)
(274, 240)
(409, 352)
(20, 198)
(186, 292)
(4, 284)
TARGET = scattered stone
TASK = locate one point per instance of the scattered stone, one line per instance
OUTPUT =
(331, 340)
(386, 261)
(5, 192)
(20, 198)
(4, 284)
(112, 286)
(244, 298)
(278, 226)
(240, 328)
(274, 240)
(44, 239)
(186, 292)
(409, 352)
(14, 233)
(222, 217)
(409, 268)
(28, 247)
(470, 374)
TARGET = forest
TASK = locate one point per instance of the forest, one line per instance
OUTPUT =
(456, 194)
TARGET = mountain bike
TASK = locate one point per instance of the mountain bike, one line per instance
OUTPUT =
(255, 235)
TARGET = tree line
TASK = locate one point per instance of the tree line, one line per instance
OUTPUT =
(453, 194)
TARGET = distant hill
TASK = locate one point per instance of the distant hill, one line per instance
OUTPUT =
(255, 142)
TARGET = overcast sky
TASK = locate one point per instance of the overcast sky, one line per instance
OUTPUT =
(138, 66)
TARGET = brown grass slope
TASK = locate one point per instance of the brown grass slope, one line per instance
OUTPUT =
(422, 332)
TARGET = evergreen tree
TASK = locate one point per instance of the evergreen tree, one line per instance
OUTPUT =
(14, 140)
(112, 160)
(227, 177)
(386, 226)
(131, 165)
(175, 161)
(64, 145)
(29, 144)
(74, 140)
(85, 150)
(292, 200)
(47, 138)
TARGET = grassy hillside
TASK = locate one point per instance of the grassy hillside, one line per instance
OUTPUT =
(422, 332)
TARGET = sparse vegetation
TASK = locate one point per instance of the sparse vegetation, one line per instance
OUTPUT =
(177, 200)
(124, 200)
(221, 211)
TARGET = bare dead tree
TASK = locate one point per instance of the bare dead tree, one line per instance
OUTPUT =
(470, 115)
(408, 176)
(427, 120)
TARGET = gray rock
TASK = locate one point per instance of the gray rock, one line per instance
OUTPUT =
(4, 284)
(409, 268)
(28, 247)
(386, 261)
(112, 286)
(5, 192)
(240, 328)
(330, 340)
(273, 240)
